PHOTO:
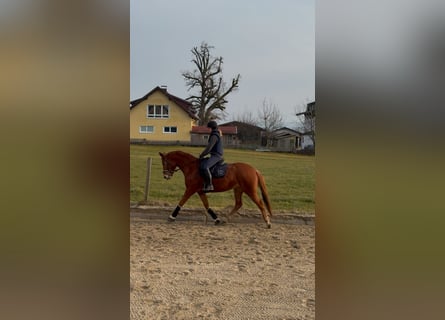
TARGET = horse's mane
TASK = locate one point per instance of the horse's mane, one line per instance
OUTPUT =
(182, 155)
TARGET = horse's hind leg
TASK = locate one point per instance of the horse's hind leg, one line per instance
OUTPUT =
(238, 202)
(254, 196)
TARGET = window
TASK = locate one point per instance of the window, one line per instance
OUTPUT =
(157, 111)
(146, 129)
(170, 129)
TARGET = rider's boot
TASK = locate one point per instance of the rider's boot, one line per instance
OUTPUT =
(208, 186)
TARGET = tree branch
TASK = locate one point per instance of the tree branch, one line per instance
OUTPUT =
(207, 77)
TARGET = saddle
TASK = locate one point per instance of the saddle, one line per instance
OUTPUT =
(218, 170)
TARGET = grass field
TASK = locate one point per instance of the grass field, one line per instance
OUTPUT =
(290, 179)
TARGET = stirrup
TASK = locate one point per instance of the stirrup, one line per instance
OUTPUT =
(208, 188)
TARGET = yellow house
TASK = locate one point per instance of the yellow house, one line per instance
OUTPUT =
(160, 117)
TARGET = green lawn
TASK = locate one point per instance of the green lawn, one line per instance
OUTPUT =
(290, 179)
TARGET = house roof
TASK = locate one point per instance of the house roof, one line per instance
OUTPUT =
(285, 133)
(240, 124)
(205, 130)
(286, 129)
(183, 104)
(310, 110)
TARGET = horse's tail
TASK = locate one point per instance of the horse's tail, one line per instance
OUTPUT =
(264, 193)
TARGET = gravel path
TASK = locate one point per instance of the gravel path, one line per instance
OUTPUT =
(240, 270)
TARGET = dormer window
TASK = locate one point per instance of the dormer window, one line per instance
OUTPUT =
(158, 111)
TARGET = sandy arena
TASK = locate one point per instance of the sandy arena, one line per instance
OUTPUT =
(240, 270)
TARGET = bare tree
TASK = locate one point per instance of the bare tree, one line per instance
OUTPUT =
(270, 116)
(247, 117)
(210, 101)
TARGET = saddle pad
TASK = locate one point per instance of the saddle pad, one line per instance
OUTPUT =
(219, 170)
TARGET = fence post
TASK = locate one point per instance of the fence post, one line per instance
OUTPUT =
(147, 179)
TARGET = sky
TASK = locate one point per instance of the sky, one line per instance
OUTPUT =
(270, 43)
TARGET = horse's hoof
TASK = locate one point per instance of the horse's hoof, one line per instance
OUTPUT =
(269, 226)
(219, 222)
(171, 219)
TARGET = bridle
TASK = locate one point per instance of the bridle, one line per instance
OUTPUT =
(170, 172)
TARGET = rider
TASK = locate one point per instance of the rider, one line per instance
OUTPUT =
(215, 148)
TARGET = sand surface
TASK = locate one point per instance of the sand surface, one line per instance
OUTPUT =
(240, 270)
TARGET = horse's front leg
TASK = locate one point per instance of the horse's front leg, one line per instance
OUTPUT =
(187, 194)
(212, 213)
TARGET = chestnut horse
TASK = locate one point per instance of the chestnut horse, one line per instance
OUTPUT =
(240, 177)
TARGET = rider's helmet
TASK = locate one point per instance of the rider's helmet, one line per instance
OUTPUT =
(212, 124)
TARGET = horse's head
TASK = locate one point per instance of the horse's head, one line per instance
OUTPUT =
(168, 166)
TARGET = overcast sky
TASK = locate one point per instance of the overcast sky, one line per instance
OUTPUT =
(270, 43)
